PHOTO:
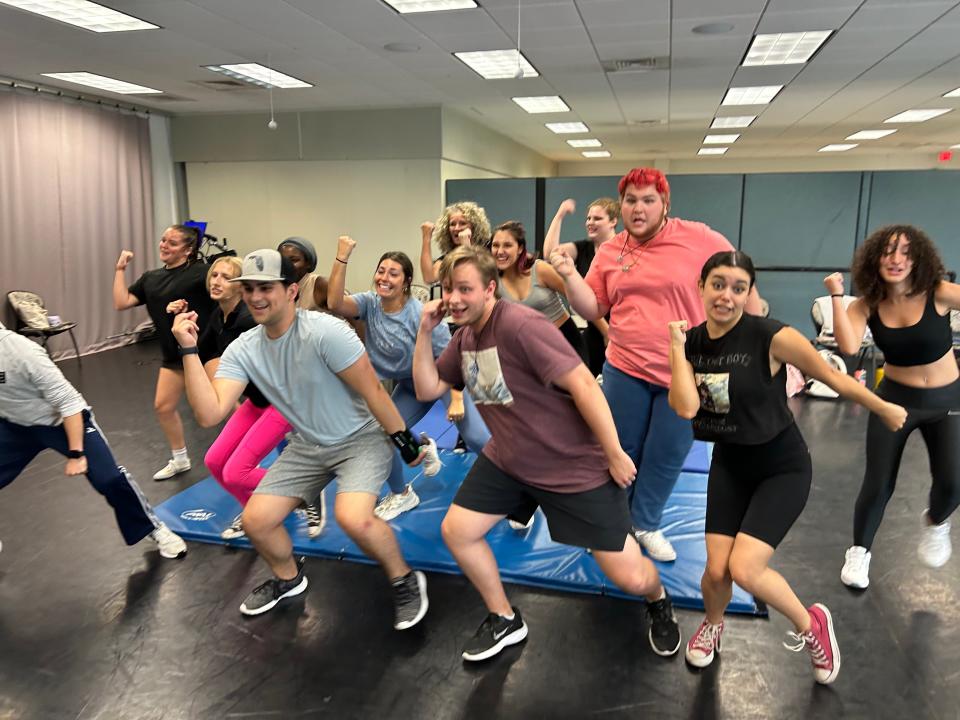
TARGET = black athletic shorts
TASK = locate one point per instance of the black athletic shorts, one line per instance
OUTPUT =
(598, 519)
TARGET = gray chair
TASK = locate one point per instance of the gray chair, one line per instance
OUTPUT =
(33, 321)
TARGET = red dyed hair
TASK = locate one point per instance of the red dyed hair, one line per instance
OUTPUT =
(641, 177)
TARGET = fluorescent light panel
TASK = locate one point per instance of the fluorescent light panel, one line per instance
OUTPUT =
(711, 151)
(595, 154)
(870, 134)
(542, 104)
(82, 14)
(420, 6)
(720, 139)
(917, 115)
(570, 127)
(261, 75)
(953, 94)
(586, 142)
(785, 48)
(102, 82)
(752, 95)
(496, 64)
(734, 121)
(838, 147)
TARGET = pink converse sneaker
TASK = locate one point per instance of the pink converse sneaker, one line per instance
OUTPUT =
(821, 642)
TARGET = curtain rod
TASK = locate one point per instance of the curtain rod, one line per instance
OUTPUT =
(13, 84)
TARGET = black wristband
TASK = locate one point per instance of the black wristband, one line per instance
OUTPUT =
(839, 295)
(409, 450)
(189, 351)
(341, 261)
(75, 454)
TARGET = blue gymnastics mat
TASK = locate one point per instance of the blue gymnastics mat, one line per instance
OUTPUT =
(529, 557)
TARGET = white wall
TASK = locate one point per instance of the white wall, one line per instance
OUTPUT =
(379, 203)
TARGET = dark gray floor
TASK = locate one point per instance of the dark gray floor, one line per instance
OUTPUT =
(92, 629)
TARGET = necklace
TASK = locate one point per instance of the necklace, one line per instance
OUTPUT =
(635, 253)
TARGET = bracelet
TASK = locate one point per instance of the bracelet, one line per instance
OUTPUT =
(189, 351)
(839, 295)
(341, 261)
(75, 454)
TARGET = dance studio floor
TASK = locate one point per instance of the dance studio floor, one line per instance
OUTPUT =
(92, 629)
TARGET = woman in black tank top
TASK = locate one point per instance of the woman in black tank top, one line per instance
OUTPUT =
(728, 377)
(906, 303)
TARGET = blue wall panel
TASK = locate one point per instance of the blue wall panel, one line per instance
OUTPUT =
(791, 296)
(711, 199)
(503, 199)
(582, 189)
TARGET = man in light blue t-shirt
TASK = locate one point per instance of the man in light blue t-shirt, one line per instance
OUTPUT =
(312, 367)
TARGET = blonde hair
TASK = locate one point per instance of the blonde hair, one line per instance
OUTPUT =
(609, 205)
(234, 262)
(475, 215)
(479, 257)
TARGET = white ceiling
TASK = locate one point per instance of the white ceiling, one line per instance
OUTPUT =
(884, 57)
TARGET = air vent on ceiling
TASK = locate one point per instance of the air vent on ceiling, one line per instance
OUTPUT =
(636, 65)
(226, 85)
(168, 98)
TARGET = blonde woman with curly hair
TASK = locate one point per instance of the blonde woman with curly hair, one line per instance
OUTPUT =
(463, 223)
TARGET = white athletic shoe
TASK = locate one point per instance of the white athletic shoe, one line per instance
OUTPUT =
(431, 463)
(396, 503)
(234, 530)
(935, 548)
(173, 467)
(521, 526)
(656, 545)
(170, 544)
(856, 568)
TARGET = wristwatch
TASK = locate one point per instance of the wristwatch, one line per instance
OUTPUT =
(75, 454)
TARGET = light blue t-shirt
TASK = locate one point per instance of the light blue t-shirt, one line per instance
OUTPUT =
(391, 337)
(297, 374)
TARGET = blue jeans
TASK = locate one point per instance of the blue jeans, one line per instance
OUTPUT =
(19, 444)
(653, 435)
(472, 428)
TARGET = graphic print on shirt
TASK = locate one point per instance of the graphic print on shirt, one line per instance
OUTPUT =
(714, 390)
(483, 377)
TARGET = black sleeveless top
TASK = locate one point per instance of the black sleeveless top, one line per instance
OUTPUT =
(740, 402)
(920, 344)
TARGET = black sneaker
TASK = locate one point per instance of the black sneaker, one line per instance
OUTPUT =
(316, 518)
(664, 631)
(409, 600)
(264, 597)
(494, 634)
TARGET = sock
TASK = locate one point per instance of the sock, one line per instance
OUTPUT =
(180, 455)
(663, 594)
(511, 616)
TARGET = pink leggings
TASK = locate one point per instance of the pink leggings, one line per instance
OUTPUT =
(247, 438)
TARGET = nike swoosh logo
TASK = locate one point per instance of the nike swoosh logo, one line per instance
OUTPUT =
(498, 635)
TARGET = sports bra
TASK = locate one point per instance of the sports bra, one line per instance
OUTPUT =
(921, 344)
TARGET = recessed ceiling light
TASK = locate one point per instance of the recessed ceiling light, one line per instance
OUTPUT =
(261, 75)
(734, 121)
(586, 142)
(753, 95)
(838, 147)
(953, 94)
(497, 64)
(595, 153)
(83, 14)
(785, 48)
(542, 104)
(718, 28)
(720, 139)
(711, 151)
(418, 6)
(917, 115)
(103, 83)
(569, 127)
(870, 134)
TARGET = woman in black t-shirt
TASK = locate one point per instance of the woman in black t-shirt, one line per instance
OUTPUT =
(182, 276)
(729, 376)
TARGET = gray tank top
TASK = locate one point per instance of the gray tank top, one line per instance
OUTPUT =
(540, 298)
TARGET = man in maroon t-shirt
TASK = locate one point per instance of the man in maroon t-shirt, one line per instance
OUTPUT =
(553, 445)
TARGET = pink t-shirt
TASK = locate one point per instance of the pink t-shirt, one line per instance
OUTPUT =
(538, 435)
(660, 287)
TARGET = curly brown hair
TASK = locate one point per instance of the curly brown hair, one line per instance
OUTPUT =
(475, 215)
(926, 274)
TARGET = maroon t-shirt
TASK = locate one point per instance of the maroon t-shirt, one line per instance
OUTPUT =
(539, 436)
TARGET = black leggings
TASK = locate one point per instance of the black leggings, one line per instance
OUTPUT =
(572, 333)
(935, 412)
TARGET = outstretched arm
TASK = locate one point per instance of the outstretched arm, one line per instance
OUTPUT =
(426, 256)
(337, 301)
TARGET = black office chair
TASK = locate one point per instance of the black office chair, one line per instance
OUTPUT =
(33, 321)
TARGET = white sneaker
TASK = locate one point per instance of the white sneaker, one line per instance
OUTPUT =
(235, 530)
(856, 568)
(656, 545)
(934, 549)
(169, 543)
(521, 526)
(396, 503)
(431, 463)
(173, 467)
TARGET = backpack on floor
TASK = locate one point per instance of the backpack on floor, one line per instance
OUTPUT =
(815, 388)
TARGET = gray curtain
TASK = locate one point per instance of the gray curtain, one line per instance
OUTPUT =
(75, 189)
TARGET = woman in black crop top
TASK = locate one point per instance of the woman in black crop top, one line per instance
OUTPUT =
(906, 303)
(728, 377)
(182, 276)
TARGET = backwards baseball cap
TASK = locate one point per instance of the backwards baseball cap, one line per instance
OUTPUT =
(267, 266)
